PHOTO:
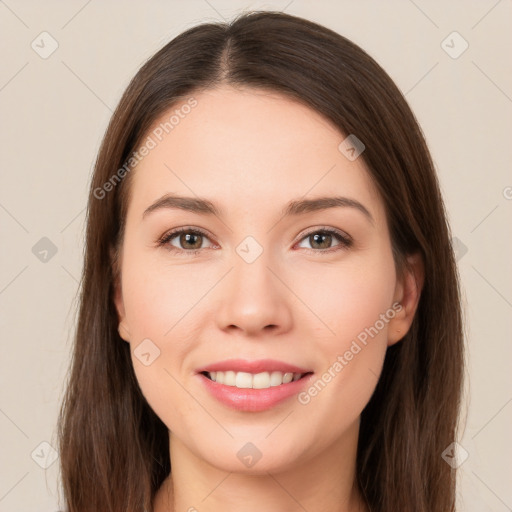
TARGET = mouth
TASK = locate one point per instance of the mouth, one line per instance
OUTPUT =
(253, 386)
(246, 380)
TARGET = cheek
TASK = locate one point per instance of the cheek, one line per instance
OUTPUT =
(159, 298)
(162, 304)
(159, 302)
(354, 304)
(348, 296)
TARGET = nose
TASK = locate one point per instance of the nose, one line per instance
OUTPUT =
(254, 300)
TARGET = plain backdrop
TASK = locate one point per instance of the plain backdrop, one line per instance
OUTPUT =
(450, 59)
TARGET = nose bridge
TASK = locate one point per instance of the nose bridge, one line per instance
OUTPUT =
(253, 277)
(252, 298)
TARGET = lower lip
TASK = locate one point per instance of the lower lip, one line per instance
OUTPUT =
(253, 400)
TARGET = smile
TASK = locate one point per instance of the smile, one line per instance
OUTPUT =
(253, 386)
(244, 380)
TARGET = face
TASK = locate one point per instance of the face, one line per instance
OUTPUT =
(257, 292)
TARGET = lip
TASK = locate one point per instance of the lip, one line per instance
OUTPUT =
(261, 365)
(253, 400)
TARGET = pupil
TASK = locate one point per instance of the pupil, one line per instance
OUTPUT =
(324, 235)
(187, 238)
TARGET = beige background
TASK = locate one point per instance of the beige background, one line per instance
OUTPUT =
(54, 112)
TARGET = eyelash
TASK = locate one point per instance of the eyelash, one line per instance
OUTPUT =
(344, 240)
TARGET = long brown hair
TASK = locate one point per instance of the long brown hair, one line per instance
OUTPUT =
(114, 450)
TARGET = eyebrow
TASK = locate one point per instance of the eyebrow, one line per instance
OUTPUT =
(296, 207)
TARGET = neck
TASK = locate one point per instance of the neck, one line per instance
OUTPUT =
(324, 482)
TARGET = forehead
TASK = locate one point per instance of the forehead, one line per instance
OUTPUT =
(247, 148)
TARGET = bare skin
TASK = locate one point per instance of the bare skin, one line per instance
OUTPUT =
(303, 300)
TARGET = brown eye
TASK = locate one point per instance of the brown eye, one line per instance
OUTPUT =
(321, 240)
(188, 240)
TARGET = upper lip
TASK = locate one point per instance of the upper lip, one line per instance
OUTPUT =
(258, 366)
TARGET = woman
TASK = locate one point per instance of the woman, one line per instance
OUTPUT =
(269, 311)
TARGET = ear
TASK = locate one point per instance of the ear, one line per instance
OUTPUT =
(407, 295)
(123, 329)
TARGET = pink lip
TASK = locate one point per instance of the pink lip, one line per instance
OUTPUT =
(242, 365)
(253, 400)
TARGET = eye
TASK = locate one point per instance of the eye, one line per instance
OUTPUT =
(321, 240)
(190, 240)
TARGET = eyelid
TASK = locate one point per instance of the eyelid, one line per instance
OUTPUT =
(325, 229)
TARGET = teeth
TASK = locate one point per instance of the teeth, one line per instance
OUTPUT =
(244, 380)
(276, 378)
(229, 378)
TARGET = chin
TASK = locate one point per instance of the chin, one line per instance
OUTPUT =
(257, 457)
